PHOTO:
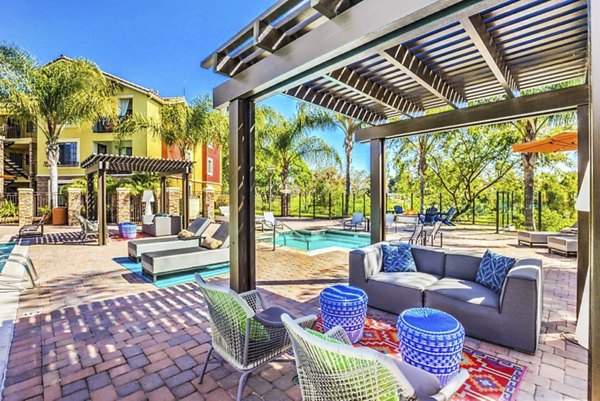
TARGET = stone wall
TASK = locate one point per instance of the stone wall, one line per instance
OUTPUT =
(25, 206)
(123, 205)
(73, 206)
(173, 196)
(208, 203)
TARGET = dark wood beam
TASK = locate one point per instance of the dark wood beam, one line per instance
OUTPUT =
(402, 58)
(378, 190)
(185, 195)
(241, 196)
(352, 80)
(101, 205)
(583, 218)
(268, 37)
(338, 105)
(482, 39)
(163, 194)
(330, 8)
(506, 110)
(594, 320)
(228, 66)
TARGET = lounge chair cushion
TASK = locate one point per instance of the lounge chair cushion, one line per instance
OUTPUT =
(493, 270)
(211, 243)
(465, 291)
(183, 234)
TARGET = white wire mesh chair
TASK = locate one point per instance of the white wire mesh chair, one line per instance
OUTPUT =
(245, 332)
(330, 369)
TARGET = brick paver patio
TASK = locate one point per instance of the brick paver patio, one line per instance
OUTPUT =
(93, 330)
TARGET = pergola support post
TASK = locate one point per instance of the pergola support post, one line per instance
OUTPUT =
(378, 190)
(101, 205)
(583, 218)
(90, 206)
(241, 195)
(594, 230)
(185, 194)
(163, 194)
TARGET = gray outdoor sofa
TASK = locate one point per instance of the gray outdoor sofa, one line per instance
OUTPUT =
(162, 225)
(155, 264)
(446, 281)
(136, 248)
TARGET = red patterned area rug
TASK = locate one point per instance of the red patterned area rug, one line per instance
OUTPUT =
(490, 378)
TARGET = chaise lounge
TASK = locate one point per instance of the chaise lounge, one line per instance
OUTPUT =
(447, 281)
(155, 264)
(135, 249)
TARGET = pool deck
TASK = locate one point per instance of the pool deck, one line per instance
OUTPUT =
(94, 330)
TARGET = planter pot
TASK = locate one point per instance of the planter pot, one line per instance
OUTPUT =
(47, 219)
(59, 216)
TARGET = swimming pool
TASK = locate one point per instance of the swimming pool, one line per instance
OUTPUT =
(320, 239)
(7, 247)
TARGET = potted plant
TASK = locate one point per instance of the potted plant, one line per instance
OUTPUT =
(46, 214)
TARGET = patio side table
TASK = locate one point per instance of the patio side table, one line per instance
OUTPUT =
(431, 340)
(346, 306)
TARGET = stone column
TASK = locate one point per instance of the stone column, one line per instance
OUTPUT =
(2, 138)
(25, 206)
(208, 203)
(123, 205)
(173, 195)
(73, 206)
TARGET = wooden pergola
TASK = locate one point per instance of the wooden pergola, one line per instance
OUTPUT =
(464, 62)
(118, 164)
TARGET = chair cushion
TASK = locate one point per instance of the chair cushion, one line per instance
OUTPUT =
(211, 243)
(425, 384)
(183, 234)
(272, 315)
(398, 258)
(465, 291)
(416, 280)
(493, 270)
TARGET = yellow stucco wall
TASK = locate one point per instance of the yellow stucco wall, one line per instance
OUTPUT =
(141, 142)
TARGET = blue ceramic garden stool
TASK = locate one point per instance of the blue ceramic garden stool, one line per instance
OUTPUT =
(431, 340)
(346, 306)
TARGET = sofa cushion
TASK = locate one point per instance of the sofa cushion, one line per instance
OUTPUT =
(461, 266)
(415, 280)
(398, 258)
(429, 260)
(493, 270)
(465, 291)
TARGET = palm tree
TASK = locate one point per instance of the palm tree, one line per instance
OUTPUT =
(348, 126)
(65, 91)
(288, 141)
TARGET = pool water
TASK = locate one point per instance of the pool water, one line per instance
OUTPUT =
(321, 239)
(6, 247)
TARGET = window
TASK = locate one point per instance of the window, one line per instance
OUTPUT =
(125, 108)
(30, 127)
(127, 151)
(68, 154)
(102, 149)
(16, 158)
(209, 166)
(210, 145)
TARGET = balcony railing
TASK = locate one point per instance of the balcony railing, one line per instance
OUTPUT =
(106, 125)
(16, 131)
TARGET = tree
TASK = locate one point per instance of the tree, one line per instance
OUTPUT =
(469, 161)
(289, 140)
(417, 148)
(65, 91)
(529, 130)
(348, 126)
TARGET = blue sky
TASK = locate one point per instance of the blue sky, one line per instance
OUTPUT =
(156, 44)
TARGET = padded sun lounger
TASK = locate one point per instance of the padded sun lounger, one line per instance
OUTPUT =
(155, 264)
(135, 249)
(532, 238)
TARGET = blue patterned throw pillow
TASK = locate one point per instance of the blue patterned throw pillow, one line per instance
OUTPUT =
(398, 258)
(493, 270)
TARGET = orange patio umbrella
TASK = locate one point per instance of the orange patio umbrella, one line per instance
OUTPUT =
(562, 142)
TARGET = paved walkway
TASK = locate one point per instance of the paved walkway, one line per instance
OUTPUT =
(96, 331)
